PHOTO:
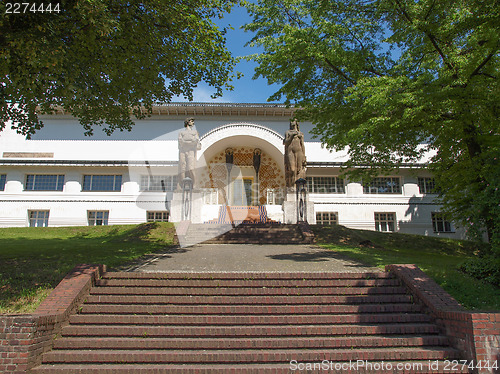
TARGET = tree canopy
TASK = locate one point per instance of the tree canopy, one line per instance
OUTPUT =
(104, 60)
(394, 80)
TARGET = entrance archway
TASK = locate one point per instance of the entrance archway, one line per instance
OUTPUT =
(242, 186)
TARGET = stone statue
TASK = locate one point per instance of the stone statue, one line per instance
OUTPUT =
(189, 143)
(295, 154)
(257, 153)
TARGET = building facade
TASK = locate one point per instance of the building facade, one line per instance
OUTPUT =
(62, 178)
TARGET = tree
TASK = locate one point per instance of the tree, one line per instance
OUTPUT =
(103, 60)
(394, 81)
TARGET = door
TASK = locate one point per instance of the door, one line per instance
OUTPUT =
(242, 192)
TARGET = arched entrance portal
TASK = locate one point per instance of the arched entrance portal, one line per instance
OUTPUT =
(246, 187)
(244, 167)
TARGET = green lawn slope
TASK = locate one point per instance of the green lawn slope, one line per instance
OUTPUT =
(34, 260)
(437, 257)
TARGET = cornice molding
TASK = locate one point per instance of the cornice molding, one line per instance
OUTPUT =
(215, 109)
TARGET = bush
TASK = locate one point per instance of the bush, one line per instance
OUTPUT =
(485, 268)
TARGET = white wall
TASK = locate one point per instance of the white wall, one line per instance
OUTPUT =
(155, 140)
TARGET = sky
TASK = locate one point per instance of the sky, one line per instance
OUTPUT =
(246, 90)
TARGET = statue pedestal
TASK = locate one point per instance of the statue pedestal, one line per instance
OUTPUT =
(176, 207)
(290, 209)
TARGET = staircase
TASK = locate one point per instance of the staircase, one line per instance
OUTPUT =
(261, 233)
(244, 323)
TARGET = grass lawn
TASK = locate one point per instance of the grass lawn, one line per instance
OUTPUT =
(34, 260)
(437, 257)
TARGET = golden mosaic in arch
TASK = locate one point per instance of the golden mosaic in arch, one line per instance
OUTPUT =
(270, 173)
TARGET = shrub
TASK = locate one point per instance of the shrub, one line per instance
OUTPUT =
(486, 268)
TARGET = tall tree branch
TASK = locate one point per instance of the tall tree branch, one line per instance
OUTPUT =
(483, 63)
(431, 37)
(370, 68)
(340, 72)
(430, 10)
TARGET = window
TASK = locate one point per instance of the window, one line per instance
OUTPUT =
(439, 223)
(385, 221)
(325, 185)
(3, 180)
(426, 185)
(274, 196)
(38, 218)
(102, 183)
(98, 217)
(383, 185)
(42, 182)
(326, 218)
(154, 182)
(157, 216)
(210, 196)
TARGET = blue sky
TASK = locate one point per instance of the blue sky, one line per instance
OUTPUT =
(246, 90)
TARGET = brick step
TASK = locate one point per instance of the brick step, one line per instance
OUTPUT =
(250, 241)
(127, 319)
(266, 237)
(218, 276)
(238, 283)
(254, 343)
(256, 235)
(210, 322)
(248, 309)
(244, 241)
(247, 331)
(250, 356)
(265, 227)
(420, 367)
(256, 225)
(207, 236)
(235, 233)
(263, 234)
(242, 227)
(256, 228)
(247, 300)
(270, 239)
(253, 236)
(248, 231)
(245, 291)
(209, 230)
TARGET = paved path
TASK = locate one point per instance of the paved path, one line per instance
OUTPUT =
(248, 257)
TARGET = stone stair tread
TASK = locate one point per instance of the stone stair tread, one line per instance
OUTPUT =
(246, 291)
(249, 331)
(340, 342)
(114, 319)
(244, 322)
(251, 300)
(421, 367)
(228, 356)
(248, 309)
(247, 275)
(238, 283)
(268, 233)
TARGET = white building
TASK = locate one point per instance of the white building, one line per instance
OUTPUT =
(62, 178)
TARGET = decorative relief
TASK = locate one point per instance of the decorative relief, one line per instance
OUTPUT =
(270, 174)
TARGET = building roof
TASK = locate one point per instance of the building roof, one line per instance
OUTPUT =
(218, 109)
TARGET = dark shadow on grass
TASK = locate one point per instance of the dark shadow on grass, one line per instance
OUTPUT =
(343, 236)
